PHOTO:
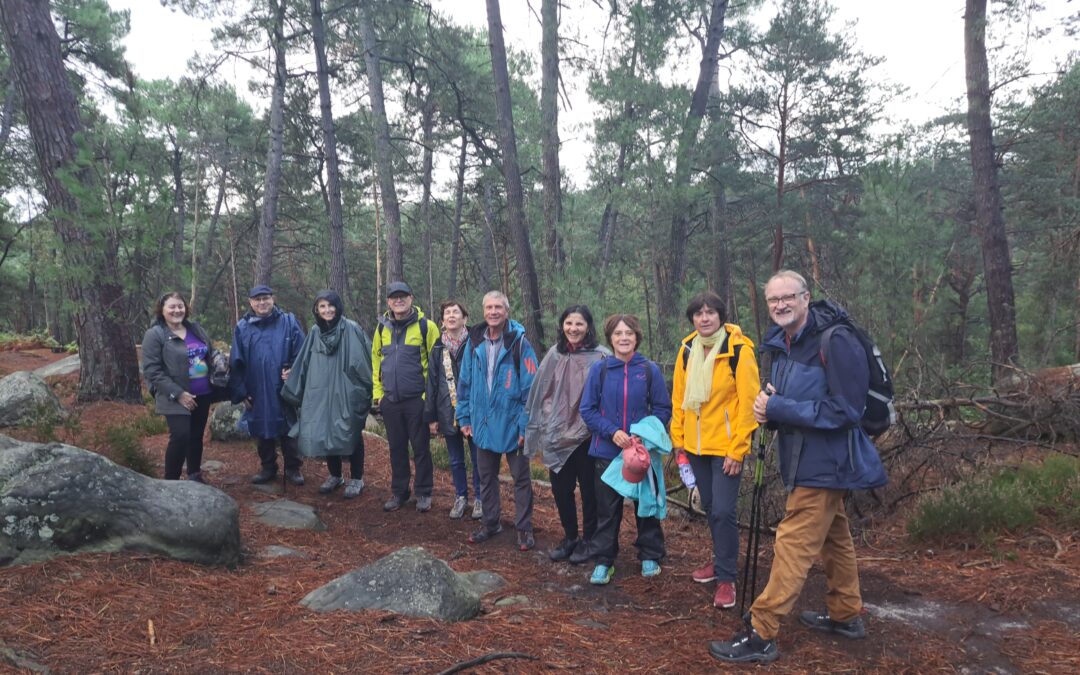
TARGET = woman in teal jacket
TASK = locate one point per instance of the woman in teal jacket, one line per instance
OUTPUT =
(330, 387)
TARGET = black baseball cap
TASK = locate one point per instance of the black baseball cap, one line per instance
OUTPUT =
(261, 289)
(398, 287)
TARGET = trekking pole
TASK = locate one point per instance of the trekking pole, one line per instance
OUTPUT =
(753, 538)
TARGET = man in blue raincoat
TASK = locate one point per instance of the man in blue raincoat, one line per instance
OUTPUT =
(497, 371)
(265, 343)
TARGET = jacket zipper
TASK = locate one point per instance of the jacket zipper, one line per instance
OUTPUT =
(625, 389)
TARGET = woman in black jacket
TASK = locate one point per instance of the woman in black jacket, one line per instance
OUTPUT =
(444, 366)
(177, 360)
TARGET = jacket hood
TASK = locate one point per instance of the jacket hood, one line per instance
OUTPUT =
(735, 336)
(334, 299)
(513, 332)
(613, 361)
(252, 317)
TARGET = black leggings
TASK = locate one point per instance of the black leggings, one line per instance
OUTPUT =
(186, 439)
(356, 462)
(576, 472)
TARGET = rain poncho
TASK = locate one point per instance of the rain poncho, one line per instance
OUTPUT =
(555, 426)
(330, 385)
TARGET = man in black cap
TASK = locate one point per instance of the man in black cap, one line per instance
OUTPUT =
(399, 361)
(265, 342)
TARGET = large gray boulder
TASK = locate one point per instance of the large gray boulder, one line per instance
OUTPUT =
(65, 366)
(56, 499)
(25, 398)
(409, 581)
(223, 422)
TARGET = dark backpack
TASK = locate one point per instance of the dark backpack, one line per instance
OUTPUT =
(423, 337)
(879, 413)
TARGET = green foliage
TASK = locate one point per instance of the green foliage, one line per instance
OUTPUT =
(124, 445)
(149, 424)
(983, 507)
(44, 421)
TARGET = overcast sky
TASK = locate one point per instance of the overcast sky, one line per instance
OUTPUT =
(921, 41)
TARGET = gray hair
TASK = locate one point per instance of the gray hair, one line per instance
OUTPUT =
(498, 295)
(790, 274)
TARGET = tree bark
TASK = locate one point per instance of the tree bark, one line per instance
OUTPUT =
(109, 368)
(181, 214)
(384, 158)
(459, 200)
(264, 257)
(427, 126)
(549, 113)
(989, 218)
(519, 232)
(676, 267)
(339, 277)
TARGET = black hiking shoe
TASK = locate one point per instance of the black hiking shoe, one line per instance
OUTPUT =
(265, 475)
(583, 553)
(294, 476)
(564, 550)
(745, 647)
(852, 630)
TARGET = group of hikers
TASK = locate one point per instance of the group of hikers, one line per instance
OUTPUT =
(598, 417)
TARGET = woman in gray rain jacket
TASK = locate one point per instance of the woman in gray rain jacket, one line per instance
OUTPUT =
(330, 387)
(556, 430)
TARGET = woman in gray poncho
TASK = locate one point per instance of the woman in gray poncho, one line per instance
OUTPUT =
(330, 387)
(555, 428)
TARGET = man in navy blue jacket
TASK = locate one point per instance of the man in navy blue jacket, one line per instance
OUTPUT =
(265, 343)
(815, 401)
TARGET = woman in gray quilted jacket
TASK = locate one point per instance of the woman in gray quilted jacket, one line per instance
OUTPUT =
(177, 360)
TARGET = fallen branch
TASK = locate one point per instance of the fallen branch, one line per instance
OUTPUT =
(465, 665)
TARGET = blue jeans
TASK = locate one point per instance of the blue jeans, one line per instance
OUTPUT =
(455, 447)
(719, 499)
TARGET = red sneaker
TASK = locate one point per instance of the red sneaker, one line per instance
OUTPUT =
(704, 574)
(725, 595)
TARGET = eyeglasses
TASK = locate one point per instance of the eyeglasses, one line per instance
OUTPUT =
(786, 299)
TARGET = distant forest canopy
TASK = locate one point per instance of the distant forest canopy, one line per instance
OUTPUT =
(956, 242)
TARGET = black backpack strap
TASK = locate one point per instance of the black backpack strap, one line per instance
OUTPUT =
(733, 361)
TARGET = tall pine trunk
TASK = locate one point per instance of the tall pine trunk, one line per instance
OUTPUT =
(339, 277)
(515, 200)
(264, 255)
(459, 200)
(675, 268)
(549, 113)
(384, 159)
(109, 368)
(989, 218)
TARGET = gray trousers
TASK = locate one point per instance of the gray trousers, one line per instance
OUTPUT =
(488, 463)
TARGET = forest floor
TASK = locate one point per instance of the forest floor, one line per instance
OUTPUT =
(1015, 609)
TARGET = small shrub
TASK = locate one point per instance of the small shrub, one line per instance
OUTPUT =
(982, 508)
(123, 443)
(149, 424)
(44, 422)
(440, 456)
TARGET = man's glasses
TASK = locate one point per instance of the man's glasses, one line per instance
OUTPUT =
(786, 299)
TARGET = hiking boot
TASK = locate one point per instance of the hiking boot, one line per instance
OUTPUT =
(852, 630)
(601, 575)
(477, 509)
(583, 553)
(196, 477)
(483, 534)
(650, 569)
(526, 541)
(393, 504)
(330, 484)
(354, 487)
(704, 574)
(294, 476)
(724, 597)
(265, 475)
(564, 550)
(745, 647)
(423, 504)
(458, 509)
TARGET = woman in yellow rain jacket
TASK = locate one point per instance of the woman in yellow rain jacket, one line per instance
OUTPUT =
(716, 382)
